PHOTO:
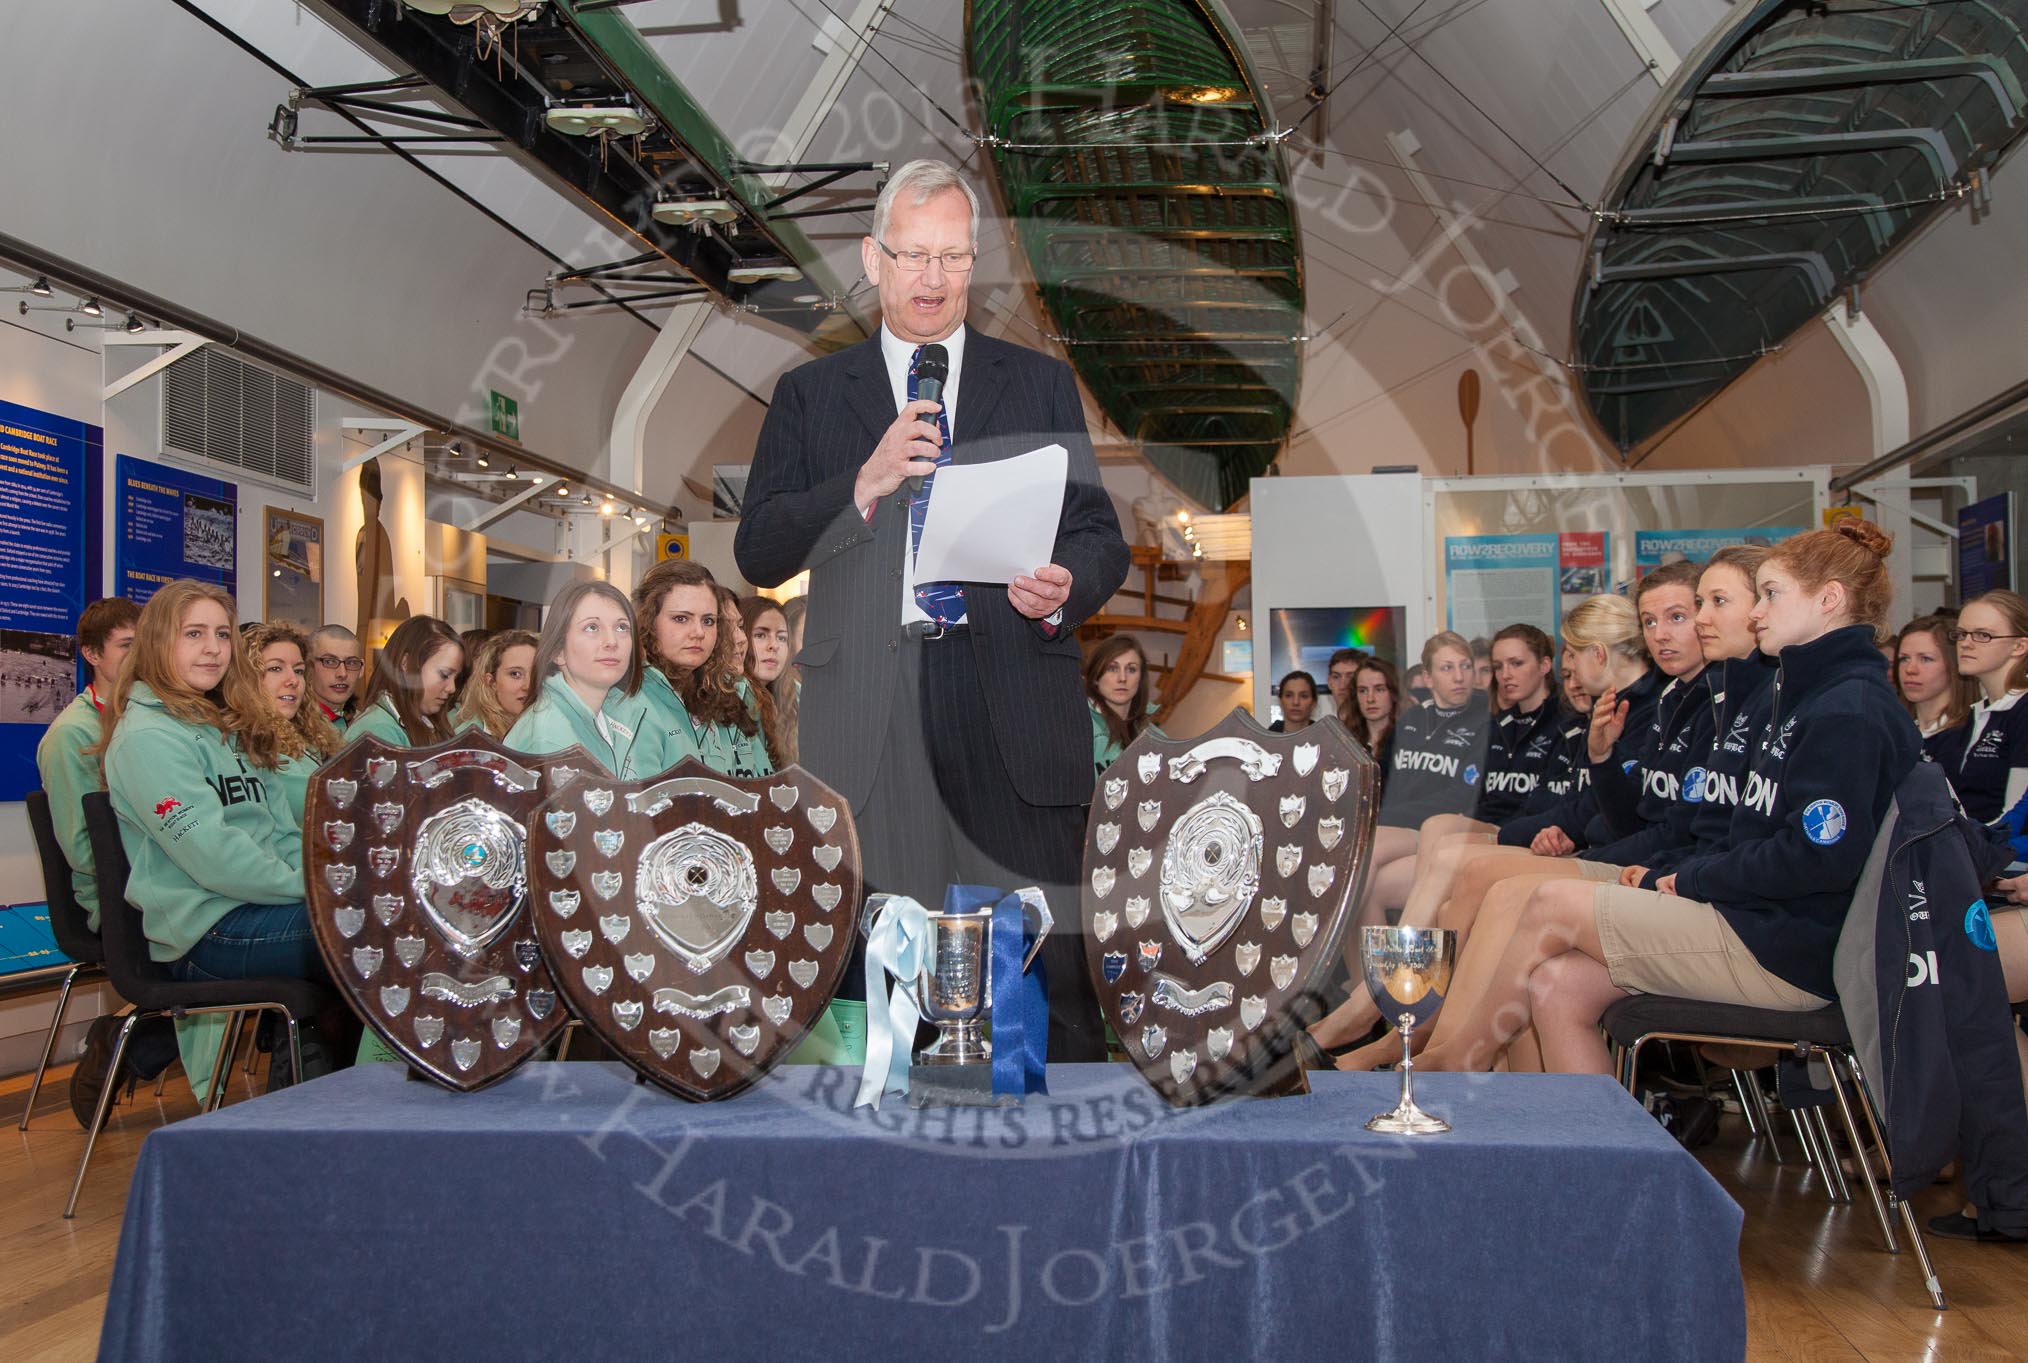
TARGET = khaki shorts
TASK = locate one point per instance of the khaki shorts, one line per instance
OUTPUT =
(1663, 944)
(1603, 871)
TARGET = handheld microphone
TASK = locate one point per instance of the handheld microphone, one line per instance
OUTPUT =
(932, 371)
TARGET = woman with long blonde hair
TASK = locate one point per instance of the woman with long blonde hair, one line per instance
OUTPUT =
(191, 758)
(501, 685)
(280, 654)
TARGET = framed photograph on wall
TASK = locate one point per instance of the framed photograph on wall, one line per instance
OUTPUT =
(293, 578)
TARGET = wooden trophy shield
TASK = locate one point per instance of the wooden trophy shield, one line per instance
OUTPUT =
(417, 871)
(697, 923)
(1220, 874)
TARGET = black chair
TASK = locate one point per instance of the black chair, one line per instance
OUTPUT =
(67, 920)
(1819, 1035)
(148, 985)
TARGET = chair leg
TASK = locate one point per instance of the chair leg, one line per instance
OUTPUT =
(49, 1042)
(1929, 1278)
(221, 1064)
(1865, 1164)
(1834, 1172)
(253, 1050)
(1804, 1138)
(99, 1115)
(1758, 1097)
(1746, 1108)
(295, 1049)
(1866, 1105)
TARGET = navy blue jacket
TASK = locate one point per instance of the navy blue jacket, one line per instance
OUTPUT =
(1742, 697)
(1641, 804)
(1577, 810)
(1837, 744)
(1979, 773)
(1520, 753)
(1439, 756)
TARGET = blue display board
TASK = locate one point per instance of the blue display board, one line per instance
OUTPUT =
(1985, 546)
(173, 524)
(50, 472)
(1653, 548)
(26, 940)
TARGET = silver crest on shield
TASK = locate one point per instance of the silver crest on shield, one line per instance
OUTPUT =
(1105, 924)
(1138, 862)
(1107, 837)
(1282, 970)
(1330, 832)
(1210, 872)
(1148, 813)
(1149, 765)
(1288, 857)
(468, 873)
(1115, 791)
(699, 889)
(1335, 780)
(1292, 808)
(1246, 956)
(1303, 927)
(1137, 910)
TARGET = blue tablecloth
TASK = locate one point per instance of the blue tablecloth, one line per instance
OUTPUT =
(570, 1214)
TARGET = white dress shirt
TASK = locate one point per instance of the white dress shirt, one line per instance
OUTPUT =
(899, 354)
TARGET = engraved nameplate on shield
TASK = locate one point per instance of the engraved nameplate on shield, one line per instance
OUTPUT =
(436, 899)
(1229, 830)
(723, 930)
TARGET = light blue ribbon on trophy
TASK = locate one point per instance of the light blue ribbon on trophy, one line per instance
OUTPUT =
(897, 937)
(1020, 995)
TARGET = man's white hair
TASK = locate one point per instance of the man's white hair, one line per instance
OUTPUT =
(921, 181)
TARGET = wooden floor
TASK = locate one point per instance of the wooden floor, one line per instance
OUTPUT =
(1818, 1285)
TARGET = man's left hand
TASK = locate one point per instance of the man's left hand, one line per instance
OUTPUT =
(1042, 594)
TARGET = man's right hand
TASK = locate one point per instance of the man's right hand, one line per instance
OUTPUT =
(907, 449)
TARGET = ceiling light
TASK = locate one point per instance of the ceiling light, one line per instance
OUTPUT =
(562, 489)
(484, 460)
(687, 212)
(133, 326)
(1182, 518)
(40, 288)
(588, 120)
(756, 274)
(607, 508)
(457, 451)
(90, 308)
(512, 475)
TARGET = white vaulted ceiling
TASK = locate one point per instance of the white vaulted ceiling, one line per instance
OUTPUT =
(1515, 111)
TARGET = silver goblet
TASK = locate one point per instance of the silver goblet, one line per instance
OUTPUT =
(1409, 972)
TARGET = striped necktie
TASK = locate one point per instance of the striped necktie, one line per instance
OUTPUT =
(943, 602)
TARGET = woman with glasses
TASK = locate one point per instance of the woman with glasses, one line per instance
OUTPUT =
(1990, 768)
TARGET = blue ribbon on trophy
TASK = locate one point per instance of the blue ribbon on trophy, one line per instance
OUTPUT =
(944, 966)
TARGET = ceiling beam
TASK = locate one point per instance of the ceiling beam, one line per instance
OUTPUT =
(1931, 143)
(1985, 67)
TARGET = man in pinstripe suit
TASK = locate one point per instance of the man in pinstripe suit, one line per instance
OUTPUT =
(951, 715)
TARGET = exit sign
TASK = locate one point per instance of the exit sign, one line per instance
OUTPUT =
(505, 414)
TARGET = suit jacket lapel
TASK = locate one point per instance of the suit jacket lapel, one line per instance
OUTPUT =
(981, 386)
(868, 390)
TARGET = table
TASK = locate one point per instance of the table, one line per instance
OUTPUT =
(569, 1213)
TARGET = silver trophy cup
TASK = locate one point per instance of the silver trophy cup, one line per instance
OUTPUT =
(1409, 971)
(956, 991)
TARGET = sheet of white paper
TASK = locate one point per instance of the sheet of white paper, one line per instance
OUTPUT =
(993, 522)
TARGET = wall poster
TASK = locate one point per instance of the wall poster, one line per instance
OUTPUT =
(50, 475)
(172, 524)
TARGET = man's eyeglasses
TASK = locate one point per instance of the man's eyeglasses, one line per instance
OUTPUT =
(332, 662)
(954, 262)
(1980, 636)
